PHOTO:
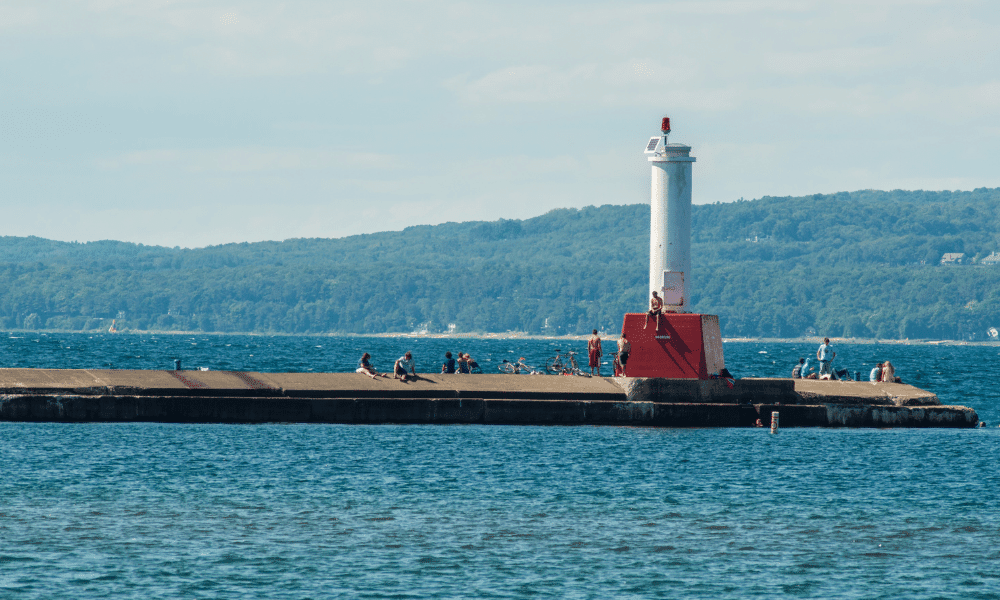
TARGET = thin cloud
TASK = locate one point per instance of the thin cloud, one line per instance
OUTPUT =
(248, 160)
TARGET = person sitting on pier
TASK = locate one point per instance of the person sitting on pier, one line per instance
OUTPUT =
(655, 308)
(888, 372)
(403, 364)
(876, 375)
(594, 352)
(797, 369)
(365, 366)
(806, 368)
(463, 364)
(449, 363)
(473, 365)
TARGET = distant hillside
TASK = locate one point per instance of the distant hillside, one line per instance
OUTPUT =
(862, 264)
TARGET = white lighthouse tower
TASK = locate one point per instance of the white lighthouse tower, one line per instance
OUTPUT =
(676, 344)
(670, 220)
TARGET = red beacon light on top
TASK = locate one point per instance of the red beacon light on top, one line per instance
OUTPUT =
(665, 125)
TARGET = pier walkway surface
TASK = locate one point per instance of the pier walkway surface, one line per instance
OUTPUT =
(244, 397)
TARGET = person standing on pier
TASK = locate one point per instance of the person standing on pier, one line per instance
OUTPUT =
(825, 354)
(624, 347)
(655, 308)
(594, 352)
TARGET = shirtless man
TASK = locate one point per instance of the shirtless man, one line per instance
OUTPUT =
(624, 347)
(594, 352)
(655, 308)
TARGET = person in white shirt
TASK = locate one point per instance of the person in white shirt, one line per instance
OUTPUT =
(825, 354)
(403, 364)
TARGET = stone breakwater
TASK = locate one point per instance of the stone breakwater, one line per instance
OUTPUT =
(243, 397)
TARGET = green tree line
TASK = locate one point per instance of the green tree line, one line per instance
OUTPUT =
(863, 264)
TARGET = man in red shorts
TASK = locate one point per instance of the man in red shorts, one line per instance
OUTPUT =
(594, 352)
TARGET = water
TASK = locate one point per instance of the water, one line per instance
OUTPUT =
(297, 511)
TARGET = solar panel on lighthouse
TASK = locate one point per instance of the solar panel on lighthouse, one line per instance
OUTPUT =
(651, 146)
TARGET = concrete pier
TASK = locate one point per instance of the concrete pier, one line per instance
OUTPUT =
(241, 397)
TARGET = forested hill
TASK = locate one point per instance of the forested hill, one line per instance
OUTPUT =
(862, 264)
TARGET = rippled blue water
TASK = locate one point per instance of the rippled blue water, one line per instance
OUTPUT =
(316, 511)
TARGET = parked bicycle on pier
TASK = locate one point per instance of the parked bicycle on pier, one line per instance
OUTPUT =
(518, 368)
(560, 365)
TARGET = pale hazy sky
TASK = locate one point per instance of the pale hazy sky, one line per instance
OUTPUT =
(189, 123)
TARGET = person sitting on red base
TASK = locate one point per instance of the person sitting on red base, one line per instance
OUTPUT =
(655, 308)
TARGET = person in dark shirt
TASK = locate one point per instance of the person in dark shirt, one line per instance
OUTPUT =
(463, 364)
(797, 369)
(365, 366)
(449, 363)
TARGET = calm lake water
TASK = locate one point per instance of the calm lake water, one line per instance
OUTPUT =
(332, 511)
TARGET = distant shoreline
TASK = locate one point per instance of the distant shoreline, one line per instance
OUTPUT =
(512, 335)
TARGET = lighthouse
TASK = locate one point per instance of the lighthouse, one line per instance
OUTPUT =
(678, 344)
(670, 219)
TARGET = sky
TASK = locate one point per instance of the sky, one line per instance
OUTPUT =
(196, 123)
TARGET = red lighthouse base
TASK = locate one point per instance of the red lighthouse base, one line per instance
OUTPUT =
(685, 346)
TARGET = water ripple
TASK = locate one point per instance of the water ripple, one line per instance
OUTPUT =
(292, 511)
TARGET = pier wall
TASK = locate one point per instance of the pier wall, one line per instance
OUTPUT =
(236, 397)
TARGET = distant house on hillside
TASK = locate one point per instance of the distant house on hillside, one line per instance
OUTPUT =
(992, 259)
(953, 258)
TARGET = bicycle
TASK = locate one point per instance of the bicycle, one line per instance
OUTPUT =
(518, 368)
(569, 366)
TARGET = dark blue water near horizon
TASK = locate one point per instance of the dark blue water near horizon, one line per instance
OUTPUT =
(152, 510)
